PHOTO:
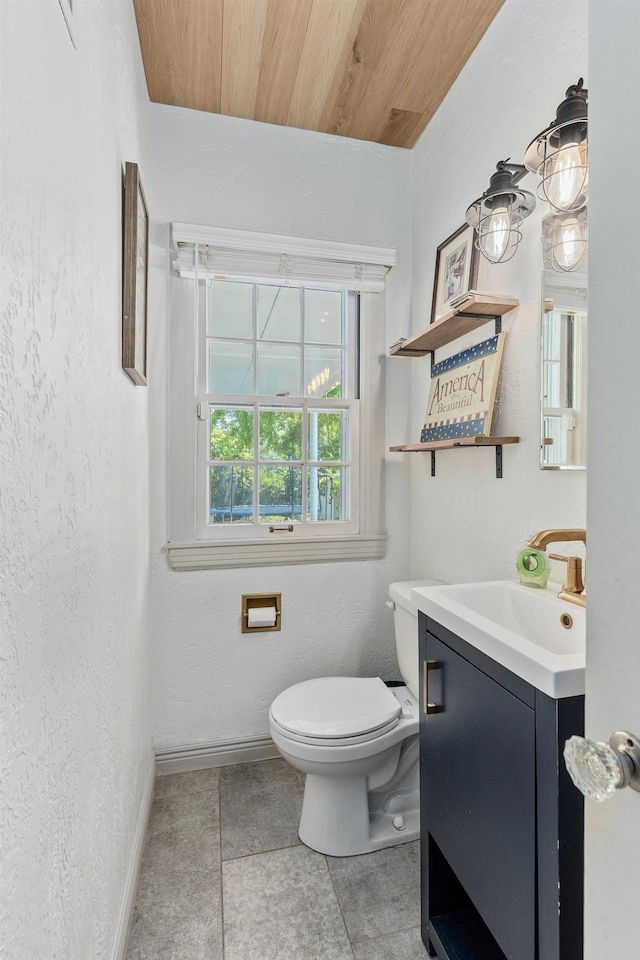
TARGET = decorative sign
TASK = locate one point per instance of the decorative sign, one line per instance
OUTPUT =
(463, 392)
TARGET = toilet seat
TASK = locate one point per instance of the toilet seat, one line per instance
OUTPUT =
(336, 710)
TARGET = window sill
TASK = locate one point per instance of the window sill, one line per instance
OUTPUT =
(205, 555)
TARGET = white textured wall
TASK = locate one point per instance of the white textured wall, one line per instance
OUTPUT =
(210, 681)
(74, 552)
(466, 524)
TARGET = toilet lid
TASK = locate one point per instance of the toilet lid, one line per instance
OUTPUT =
(332, 707)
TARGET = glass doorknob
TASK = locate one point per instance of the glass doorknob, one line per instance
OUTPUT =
(599, 769)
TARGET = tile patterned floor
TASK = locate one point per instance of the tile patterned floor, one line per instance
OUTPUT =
(225, 877)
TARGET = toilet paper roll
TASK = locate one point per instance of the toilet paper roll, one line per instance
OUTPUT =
(261, 617)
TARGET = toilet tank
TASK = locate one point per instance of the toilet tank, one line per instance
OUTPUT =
(405, 622)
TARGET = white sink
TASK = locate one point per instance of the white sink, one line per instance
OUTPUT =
(529, 631)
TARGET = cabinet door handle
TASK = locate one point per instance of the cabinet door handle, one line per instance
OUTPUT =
(427, 707)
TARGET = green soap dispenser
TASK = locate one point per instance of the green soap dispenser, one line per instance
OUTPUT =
(533, 568)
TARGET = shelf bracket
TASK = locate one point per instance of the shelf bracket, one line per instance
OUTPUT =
(497, 318)
(498, 448)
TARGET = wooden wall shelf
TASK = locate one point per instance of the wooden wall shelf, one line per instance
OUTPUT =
(477, 310)
(457, 443)
(474, 312)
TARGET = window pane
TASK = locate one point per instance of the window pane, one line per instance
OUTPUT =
(231, 494)
(231, 433)
(323, 316)
(552, 336)
(280, 435)
(280, 494)
(552, 385)
(278, 313)
(230, 368)
(327, 496)
(323, 372)
(230, 309)
(555, 451)
(278, 370)
(328, 434)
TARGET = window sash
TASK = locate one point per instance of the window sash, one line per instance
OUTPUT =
(302, 527)
(347, 348)
(258, 528)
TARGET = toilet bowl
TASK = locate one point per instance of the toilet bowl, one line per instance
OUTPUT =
(356, 739)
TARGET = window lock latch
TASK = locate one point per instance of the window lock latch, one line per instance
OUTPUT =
(199, 412)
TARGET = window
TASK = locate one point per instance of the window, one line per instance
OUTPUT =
(563, 372)
(279, 443)
(275, 402)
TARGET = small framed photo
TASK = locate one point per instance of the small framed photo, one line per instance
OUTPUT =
(456, 270)
(134, 277)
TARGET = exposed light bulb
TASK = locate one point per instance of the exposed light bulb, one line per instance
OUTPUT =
(569, 249)
(495, 233)
(564, 176)
(566, 239)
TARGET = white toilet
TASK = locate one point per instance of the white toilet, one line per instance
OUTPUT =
(357, 741)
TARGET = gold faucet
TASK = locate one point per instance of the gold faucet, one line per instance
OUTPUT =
(573, 590)
(545, 537)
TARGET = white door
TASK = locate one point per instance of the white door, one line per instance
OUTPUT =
(612, 869)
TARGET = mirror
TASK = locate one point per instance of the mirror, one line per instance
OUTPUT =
(564, 371)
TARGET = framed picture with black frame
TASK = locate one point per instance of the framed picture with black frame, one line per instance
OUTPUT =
(456, 270)
(134, 277)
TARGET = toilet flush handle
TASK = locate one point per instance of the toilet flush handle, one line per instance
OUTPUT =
(391, 604)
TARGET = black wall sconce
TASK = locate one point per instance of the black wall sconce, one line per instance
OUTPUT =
(558, 157)
(498, 213)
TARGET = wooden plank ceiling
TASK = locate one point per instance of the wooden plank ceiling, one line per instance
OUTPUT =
(369, 69)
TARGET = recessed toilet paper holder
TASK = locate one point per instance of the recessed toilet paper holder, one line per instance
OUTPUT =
(261, 612)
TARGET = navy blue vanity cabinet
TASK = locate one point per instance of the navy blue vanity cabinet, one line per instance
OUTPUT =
(501, 822)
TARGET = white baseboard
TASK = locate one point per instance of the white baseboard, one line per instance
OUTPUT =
(134, 869)
(219, 753)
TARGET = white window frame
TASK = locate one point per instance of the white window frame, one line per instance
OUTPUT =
(260, 530)
(257, 257)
